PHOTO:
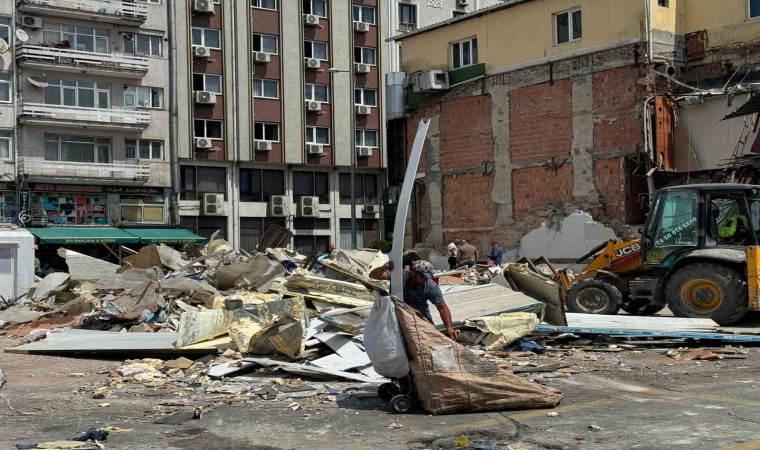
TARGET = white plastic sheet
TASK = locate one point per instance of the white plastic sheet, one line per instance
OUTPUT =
(383, 341)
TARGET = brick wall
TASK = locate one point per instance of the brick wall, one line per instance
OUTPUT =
(541, 121)
(538, 187)
(466, 138)
(610, 183)
(617, 95)
(467, 201)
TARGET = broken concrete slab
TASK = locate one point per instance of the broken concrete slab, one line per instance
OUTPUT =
(145, 258)
(171, 258)
(83, 267)
(257, 273)
(17, 314)
(54, 282)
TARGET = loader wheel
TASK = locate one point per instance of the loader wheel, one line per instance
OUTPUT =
(642, 308)
(594, 296)
(709, 291)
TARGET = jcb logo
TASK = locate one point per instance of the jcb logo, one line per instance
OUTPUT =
(628, 250)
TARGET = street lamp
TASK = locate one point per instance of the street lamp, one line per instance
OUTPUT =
(352, 149)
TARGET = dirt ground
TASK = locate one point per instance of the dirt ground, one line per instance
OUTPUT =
(634, 400)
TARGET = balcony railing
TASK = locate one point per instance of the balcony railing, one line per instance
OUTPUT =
(40, 167)
(406, 27)
(114, 118)
(67, 59)
(117, 11)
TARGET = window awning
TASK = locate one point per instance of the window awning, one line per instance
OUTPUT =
(164, 235)
(73, 235)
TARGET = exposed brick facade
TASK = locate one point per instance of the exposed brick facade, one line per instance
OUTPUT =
(539, 187)
(610, 183)
(616, 98)
(541, 121)
(467, 203)
(466, 136)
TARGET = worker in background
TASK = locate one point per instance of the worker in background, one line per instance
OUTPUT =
(419, 289)
(468, 254)
(453, 251)
(497, 253)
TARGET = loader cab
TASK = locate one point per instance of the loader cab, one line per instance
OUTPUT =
(692, 217)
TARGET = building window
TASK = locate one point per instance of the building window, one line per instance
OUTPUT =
(266, 131)
(207, 82)
(663, 3)
(205, 226)
(317, 92)
(365, 14)
(66, 147)
(259, 185)
(265, 43)
(318, 135)
(315, 7)
(83, 39)
(211, 129)
(266, 88)
(754, 8)
(5, 87)
(77, 208)
(197, 180)
(251, 229)
(86, 94)
(143, 97)
(207, 37)
(264, 4)
(144, 149)
(311, 223)
(143, 44)
(464, 53)
(312, 184)
(5, 144)
(366, 138)
(569, 26)
(407, 17)
(314, 49)
(144, 209)
(5, 29)
(310, 245)
(365, 188)
(365, 55)
(367, 232)
(367, 97)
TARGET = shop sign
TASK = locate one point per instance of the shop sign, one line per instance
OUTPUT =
(80, 188)
(24, 200)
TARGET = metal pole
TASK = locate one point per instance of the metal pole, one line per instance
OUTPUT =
(352, 149)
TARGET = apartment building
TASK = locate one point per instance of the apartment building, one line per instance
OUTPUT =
(84, 84)
(539, 108)
(269, 92)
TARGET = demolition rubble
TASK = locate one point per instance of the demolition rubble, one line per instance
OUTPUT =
(212, 325)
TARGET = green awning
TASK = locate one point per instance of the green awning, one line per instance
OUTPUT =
(164, 235)
(74, 235)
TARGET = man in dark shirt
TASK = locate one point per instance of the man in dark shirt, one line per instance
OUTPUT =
(419, 289)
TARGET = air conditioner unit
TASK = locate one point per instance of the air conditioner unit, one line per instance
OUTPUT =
(361, 27)
(200, 51)
(213, 204)
(205, 98)
(31, 22)
(363, 110)
(279, 206)
(203, 6)
(371, 209)
(315, 149)
(313, 106)
(312, 63)
(431, 81)
(261, 57)
(362, 68)
(463, 2)
(203, 143)
(363, 151)
(308, 207)
(310, 19)
(263, 146)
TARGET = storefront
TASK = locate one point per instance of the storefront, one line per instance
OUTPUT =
(76, 204)
(8, 209)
